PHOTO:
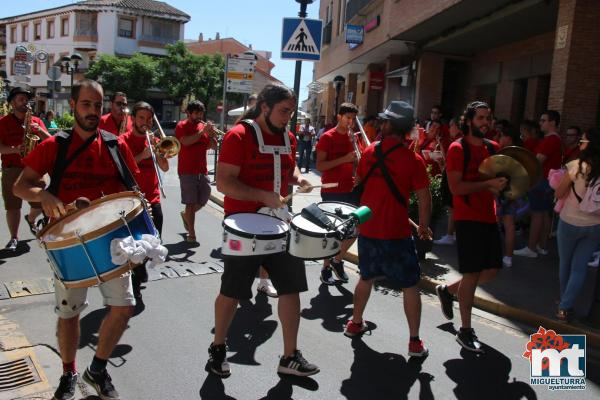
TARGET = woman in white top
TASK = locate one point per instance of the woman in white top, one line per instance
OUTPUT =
(578, 231)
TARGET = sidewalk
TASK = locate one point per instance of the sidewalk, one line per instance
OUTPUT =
(527, 292)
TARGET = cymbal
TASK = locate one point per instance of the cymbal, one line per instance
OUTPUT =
(500, 165)
(527, 159)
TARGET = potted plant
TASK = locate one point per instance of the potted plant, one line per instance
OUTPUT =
(437, 211)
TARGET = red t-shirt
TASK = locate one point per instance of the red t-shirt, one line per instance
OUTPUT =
(192, 158)
(147, 179)
(240, 148)
(11, 134)
(107, 123)
(430, 145)
(407, 169)
(551, 147)
(531, 143)
(570, 154)
(481, 205)
(90, 175)
(337, 145)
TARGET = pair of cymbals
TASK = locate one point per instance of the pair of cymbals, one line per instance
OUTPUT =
(527, 159)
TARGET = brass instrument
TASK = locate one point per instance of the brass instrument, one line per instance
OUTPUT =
(214, 132)
(123, 126)
(29, 139)
(168, 146)
(354, 142)
(151, 146)
(363, 134)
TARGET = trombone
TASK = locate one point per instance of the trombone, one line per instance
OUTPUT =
(168, 146)
(153, 147)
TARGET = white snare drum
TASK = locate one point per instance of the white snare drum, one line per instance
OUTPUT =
(340, 210)
(311, 242)
(250, 234)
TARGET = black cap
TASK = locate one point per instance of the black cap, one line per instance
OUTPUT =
(399, 113)
(18, 90)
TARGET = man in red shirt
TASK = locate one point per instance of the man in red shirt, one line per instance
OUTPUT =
(113, 121)
(570, 140)
(385, 243)
(246, 176)
(478, 240)
(541, 197)
(196, 139)
(336, 160)
(137, 141)
(91, 174)
(11, 147)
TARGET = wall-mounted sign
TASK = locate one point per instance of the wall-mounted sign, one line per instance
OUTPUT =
(376, 80)
(372, 24)
(354, 34)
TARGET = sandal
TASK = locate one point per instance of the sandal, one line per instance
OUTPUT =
(191, 239)
(31, 225)
(564, 315)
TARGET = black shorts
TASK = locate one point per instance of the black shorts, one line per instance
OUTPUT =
(287, 273)
(348, 197)
(445, 191)
(479, 246)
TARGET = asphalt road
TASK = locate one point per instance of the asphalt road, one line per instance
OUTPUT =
(163, 353)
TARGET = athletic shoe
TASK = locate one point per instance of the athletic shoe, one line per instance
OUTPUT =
(595, 262)
(541, 251)
(185, 225)
(217, 360)
(296, 365)
(353, 329)
(446, 301)
(12, 244)
(468, 340)
(525, 252)
(102, 384)
(265, 286)
(507, 261)
(416, 348)
(66, 386)
(31, 224)
(338, 270)
(327, 276)
(446, 240)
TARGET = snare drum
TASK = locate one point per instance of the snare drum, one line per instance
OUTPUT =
(311, 242)
(340, 210)
(251, 234)
(78, 245)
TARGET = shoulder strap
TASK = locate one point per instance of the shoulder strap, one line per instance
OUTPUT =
(467, 157)
(112, 144)
(386, 175)
(376, 165)
(490, 147)
(578, 197)
(64, 139)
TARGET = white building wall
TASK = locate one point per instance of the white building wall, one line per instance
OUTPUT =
(107, 28)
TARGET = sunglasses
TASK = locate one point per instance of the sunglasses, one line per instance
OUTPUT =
(121, 104)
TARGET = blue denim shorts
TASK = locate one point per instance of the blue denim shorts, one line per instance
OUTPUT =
(394, 259)
(541, 197)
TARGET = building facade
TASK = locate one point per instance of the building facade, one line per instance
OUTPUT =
(520, 56)
(88, 28)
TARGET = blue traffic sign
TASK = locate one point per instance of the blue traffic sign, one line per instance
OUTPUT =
(301, 39)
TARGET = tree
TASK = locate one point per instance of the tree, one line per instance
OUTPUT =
(183, 74)
(134, 75)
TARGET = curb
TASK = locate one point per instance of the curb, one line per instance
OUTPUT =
(494, 307)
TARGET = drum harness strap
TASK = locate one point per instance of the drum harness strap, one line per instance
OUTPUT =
(467, 158)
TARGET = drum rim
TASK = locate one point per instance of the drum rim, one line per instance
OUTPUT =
(72, 241)
(328, 234)
(336, 202)
(246, 235)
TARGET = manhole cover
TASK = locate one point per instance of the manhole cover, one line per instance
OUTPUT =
(17, 373)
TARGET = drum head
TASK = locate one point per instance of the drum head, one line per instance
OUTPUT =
(339, 209)
(99, 216)
(306, 226)
(255, 224)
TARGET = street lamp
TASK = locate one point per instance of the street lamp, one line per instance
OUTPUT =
(338, 82)
(70, 65)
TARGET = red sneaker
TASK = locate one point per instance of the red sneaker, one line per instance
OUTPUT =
(416, 348)
(353, 329)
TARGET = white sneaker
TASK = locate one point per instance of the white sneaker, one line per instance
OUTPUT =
(446, 240)
(265, 286)
(595, 261)
(525, 252)
(542, 252)
(507, 261)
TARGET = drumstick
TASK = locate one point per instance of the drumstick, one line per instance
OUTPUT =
(303, 189)
(414, 225)
(78, 204)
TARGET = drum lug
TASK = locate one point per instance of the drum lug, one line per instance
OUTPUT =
(324, 244)
(253, 244)
(296, 237)
(224, 236)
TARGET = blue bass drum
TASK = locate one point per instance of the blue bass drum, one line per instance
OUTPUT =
(78, 245)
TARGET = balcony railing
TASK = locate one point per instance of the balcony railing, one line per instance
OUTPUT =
(158, 39)
(354, 6)
(327, 32)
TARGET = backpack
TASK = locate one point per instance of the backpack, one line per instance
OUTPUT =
(590, 203)
(467, 157)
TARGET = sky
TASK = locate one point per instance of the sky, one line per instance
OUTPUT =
(256, 22)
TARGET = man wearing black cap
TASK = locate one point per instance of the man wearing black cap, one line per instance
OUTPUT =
(385, 243)
(11, 146)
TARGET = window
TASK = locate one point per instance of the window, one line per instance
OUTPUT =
(85, 24)
(13, 34)
(160, 30)
(126, 27)
(37, 31)
(64, 26)
(50, 29)
(12, 66)
(25, 33)
(36, 67)
(50, 62)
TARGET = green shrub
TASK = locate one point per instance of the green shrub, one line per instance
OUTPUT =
(437, 207)
(65, 121)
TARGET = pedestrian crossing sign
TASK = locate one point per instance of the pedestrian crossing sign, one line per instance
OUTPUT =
(301, 39)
